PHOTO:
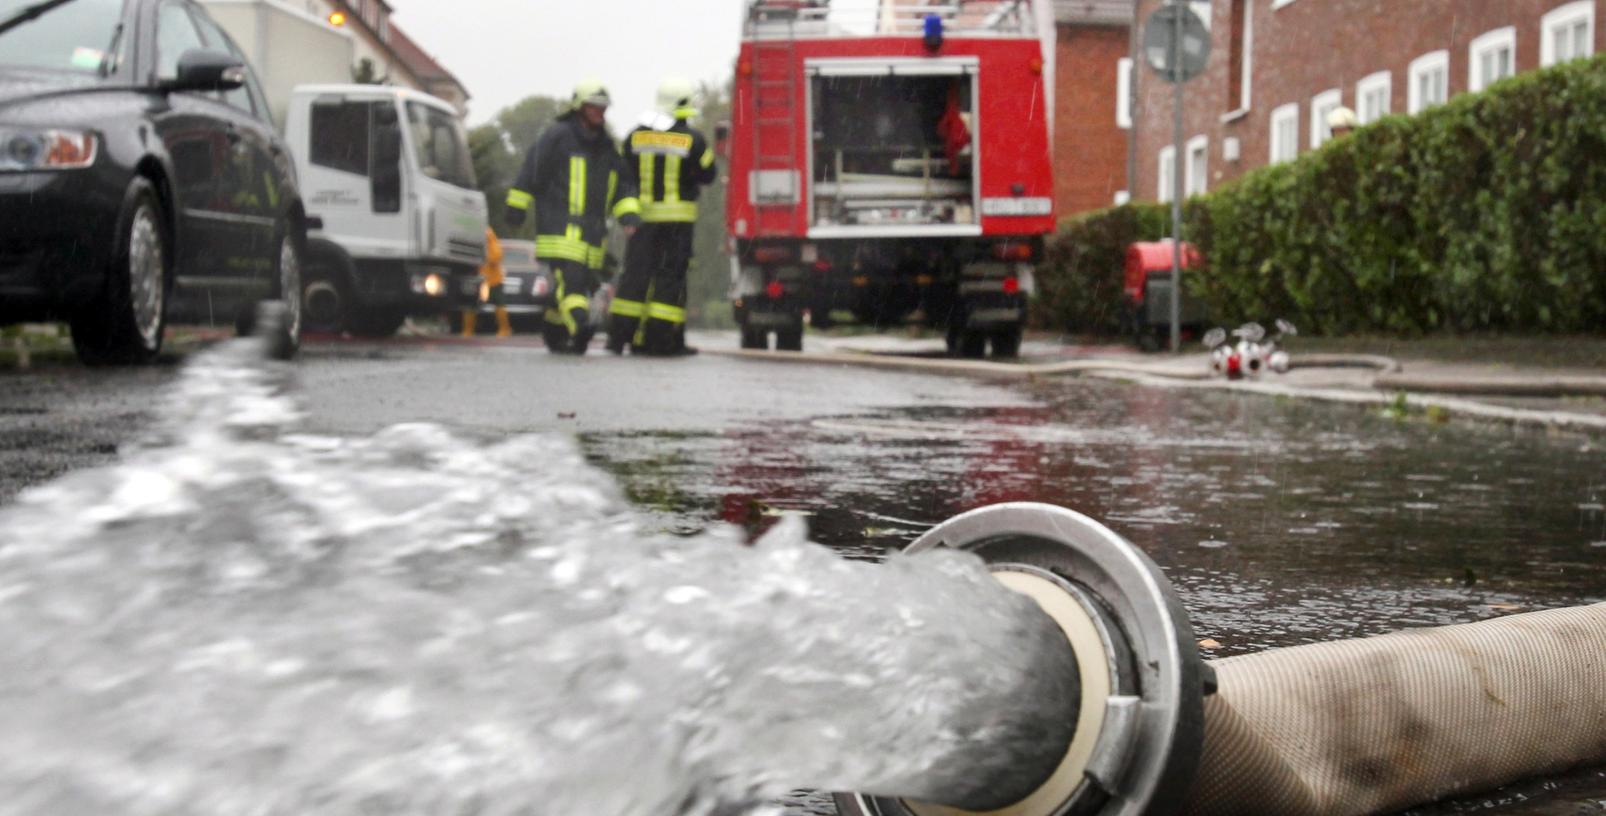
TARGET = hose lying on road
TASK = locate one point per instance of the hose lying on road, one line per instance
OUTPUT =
(1496, 386)
(1374, 725)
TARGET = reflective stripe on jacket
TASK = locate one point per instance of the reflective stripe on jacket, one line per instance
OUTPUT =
(574, 180)
(671, 168)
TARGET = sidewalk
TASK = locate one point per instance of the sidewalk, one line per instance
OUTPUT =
(1500, 386)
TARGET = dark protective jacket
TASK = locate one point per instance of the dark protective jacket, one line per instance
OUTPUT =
(670, 168)
(573, 179)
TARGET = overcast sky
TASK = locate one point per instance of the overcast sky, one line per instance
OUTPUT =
(505, 50)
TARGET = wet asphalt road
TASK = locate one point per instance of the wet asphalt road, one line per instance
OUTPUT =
(1280, 523)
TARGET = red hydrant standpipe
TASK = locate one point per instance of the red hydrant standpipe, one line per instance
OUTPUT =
(1337, 729)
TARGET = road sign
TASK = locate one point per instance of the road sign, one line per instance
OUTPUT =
(1159, 42)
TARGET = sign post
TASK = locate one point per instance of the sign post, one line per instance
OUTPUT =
(1176, 44)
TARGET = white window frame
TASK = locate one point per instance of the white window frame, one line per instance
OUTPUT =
(1566, 16)
(1381, 81)
(1277, 4)
(1123, 93)
(1320, 106)
(1286, 113)
(1433, 61)
(1191, 186)
(1489, 41)
(1167, 173)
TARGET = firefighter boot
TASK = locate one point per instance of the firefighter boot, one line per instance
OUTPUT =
(469, 319)
(504, 326)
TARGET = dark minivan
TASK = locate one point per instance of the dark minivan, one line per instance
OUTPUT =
(141, 176)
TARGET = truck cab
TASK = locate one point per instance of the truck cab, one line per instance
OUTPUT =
(397, 226)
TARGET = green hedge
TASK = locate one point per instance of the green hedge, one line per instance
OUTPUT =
(1487, 213)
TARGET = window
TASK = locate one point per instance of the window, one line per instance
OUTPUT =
(1123, 93)
(1567, 33)
(1285, 133)
(1430, 81)
(175, 34)
(1373, 97)
(1321, 105)
(1493, 58)
(441, 146)
(1241, 38)
(1277, 4)
(340, 136)
(1196, 175)
(1168, 173)
(69, 38)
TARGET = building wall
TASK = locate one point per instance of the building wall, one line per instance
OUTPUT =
(367, 47)
(1302, 48)
(1090, 148)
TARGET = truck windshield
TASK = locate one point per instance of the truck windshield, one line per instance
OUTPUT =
(441, 146)
(76, 36)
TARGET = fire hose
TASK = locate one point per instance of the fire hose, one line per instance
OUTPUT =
(1340, 729)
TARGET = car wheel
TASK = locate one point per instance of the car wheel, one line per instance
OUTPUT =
(290, 292)
(755, 339)
(972, 344)
(126, 322)
(375, 323)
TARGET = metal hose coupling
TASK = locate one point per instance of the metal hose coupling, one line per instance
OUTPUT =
(1140, 724)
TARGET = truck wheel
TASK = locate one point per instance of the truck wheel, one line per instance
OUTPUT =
(375, 323)
(125, 324)
(972, 344)
(324, 300)
(755, 339)
(791, 337)
(289, 293)
(1006, 342)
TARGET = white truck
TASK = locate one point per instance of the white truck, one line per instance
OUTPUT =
(396, 225)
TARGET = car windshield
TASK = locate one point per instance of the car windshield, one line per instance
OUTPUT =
(75, 36)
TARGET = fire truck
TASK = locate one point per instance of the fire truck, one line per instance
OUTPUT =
(889, 164)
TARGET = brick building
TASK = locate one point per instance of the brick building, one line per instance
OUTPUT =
(1279, 66)
(1092, 40)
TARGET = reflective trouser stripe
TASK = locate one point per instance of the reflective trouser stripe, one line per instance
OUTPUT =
(627, 308)
(666, 313)
(577, 185)
(568, 306)
(553, 317)
(561, 248)
(669, 212)
(613, 187)
(519, 200)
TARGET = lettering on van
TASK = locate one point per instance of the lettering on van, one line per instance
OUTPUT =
(335, 198)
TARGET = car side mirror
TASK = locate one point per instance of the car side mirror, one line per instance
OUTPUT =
(200, 69)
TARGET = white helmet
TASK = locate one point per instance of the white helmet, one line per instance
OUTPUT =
(676, 97)
(1341, 117)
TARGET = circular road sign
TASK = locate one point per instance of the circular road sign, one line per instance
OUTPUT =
(1159, 37)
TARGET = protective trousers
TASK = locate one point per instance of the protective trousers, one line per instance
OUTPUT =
(568, 323)
(649, 304)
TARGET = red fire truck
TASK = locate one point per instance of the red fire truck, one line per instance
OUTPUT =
(890, 163)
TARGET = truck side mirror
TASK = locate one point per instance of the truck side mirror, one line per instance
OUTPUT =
(386, 179)
(722, 139)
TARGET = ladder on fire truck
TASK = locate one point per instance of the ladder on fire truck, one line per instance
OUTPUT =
(777, 177)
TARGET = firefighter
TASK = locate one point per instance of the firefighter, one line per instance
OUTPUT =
(671, 162)
(491, 272)
(574, 179)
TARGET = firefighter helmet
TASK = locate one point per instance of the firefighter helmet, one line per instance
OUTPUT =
(590, 91)
(676, 96)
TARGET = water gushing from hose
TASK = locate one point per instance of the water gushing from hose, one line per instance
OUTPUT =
(237, 618)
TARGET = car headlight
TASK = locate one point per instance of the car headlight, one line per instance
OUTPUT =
(22, 150)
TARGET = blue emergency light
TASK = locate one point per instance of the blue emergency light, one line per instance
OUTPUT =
(933, 32)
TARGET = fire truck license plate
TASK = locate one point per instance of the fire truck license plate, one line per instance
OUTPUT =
(1017, 206)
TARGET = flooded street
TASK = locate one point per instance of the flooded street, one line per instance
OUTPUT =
(1280, 522)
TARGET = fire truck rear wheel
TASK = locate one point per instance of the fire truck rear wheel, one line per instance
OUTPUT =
(755, 339)
(1006, 342)
(790, 339)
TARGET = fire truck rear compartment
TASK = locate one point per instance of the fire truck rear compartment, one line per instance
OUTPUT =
(891, 151)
